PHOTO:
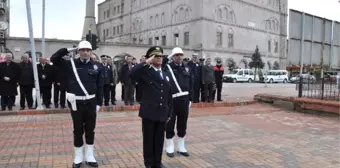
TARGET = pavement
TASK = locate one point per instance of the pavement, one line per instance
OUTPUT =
(254, 136)
(230, 91)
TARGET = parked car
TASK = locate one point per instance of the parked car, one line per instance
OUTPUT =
(276, 76)
(240, 75)
(306, 78)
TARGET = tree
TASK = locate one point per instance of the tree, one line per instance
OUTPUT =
(269, 65)
(231, 64)
(245, 62)
(276, 66)
(256, 61)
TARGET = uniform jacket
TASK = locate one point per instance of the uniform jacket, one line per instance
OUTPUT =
(107, 74)
(196, 71)
(219, 71)
(208, 75)
(60, 77)
(26, 77)
(12, 70)
(156, 102)
(90, 75)
(184, 77)
(47, 71)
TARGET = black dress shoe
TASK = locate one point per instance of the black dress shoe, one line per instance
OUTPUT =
(170, 154)
(76, 165)
(92, 164)
(186, 154)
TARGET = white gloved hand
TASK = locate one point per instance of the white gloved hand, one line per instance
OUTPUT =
(97, 108)
(189, 104)
(71, 49)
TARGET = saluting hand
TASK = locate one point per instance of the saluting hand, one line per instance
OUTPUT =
(168, 119)
(149, 60)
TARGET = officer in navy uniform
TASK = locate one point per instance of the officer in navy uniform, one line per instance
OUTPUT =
(181, 87)
(201, 62)
(84, 79)
(196, 71)
(156, 104)
(107, 74)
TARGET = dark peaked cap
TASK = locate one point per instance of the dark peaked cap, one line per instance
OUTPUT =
(154, 51)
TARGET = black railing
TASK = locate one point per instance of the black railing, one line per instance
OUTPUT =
(324, 89)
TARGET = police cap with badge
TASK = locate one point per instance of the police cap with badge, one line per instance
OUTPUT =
(202, 59)
(154, 51)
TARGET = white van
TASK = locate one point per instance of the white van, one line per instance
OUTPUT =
(277, 76)
(240, 75)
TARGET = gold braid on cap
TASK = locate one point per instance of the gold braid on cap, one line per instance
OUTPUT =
(155, 52)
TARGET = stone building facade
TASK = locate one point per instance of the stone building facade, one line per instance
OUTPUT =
(211, 28)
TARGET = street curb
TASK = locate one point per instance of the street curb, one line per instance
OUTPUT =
(125, 108)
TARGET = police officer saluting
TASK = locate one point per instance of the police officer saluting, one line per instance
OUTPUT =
(156, 105)
(181, 87)
(84, 79)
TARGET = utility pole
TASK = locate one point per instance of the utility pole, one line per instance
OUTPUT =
(267, 55)
(43, 30)
(33, 52)
(302, 52)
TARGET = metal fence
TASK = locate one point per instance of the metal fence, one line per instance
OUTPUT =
(324, 89)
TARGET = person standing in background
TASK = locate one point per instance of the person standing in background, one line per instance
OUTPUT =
(114, 81)
(26, 82)
(219, 71)
(208, 80)
(138, 86)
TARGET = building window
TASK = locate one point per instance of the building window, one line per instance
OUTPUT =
(186, 13)
(114, 31)
(114, 11)
(140, 41)
(150, 41)
(269, 46)
(121, 28)
(163, 40)
(230, 40)
(276, 47)
(219, 13)
(134, 40)
(176, 37)
(162, 19)
(108, 13)
(151, 20)
(219, 41)
(117, 29)
(122, 9)
(156, 21)
(118, 9)
(186, 38)
(157, 40)
(104, 15)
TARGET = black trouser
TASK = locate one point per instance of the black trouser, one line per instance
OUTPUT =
(84, 120)
(181, 112)
(7, 101)
(45, 91)
(123, 92)
(138, 93)
(153, 140)
(129, 91)
(113, 94)
(106, 94)
(26, 94)
(202, 92)
(208, 89)
(57, 89)
(218, 90)
(197, 88)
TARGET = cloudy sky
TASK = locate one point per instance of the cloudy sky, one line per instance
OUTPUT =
(65, 18)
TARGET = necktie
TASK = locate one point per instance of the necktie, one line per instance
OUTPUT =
(130, 67)
(160, 74)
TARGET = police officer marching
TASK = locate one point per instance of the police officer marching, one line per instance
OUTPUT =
(181, 87)
(156, 104)
(84, 79)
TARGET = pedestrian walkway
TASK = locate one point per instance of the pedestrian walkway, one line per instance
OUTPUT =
(254, 136)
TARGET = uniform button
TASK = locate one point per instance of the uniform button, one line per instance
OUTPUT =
(161, 97)
(160, 104)
(161, 84)
(162, 91)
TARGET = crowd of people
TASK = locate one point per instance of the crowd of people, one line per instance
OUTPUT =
(207, 81)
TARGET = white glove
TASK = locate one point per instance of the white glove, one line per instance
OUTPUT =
(97, 108)
(72, 99)
(71, 49)
(189, 104)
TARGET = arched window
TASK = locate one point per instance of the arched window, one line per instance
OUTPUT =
(156, 21)
(219, 13)
(175, 16)
(226, 13)
(186, 13)
(181, 13)
(230, 38)
(219, 36)
(151, 21)
(231, 16)
(163, 18)
(273, 24)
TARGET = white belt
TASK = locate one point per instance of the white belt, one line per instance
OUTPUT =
(180, 94)
(88, 97)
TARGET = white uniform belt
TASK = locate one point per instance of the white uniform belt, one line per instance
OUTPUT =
(88, 97)
(180, 94)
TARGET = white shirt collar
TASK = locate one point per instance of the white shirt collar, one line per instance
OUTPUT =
(156, 69)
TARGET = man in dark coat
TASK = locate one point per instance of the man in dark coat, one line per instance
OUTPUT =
(127, 82)
(156, 105)
(45, 73)
(60, 83)
(107, 73)
(196, 71)
(9, 77)
(219, 71)
(208, 80)
(26, 82)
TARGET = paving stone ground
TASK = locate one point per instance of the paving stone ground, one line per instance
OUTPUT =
(254, 136)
